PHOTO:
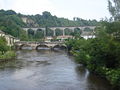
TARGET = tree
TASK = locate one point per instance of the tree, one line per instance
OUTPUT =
(114, 9)
(68, 31)
(58, 32)
(77, 32)
(39, 34)
(3, 45)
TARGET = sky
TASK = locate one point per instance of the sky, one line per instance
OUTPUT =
(86, 9)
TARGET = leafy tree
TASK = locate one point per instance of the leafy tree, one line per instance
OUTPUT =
(100, 54)
(58, 32)
(49, 32)
(77, 33)
(39, 34)
(114, 9)
(3, 45)
(68, 31)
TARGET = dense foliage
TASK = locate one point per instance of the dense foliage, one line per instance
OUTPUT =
(5, 50)
(11, 24)
(3, 45)
(114, 8)
(46, 19)
(100, 54)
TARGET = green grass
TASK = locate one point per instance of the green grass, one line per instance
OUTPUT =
(7, 55)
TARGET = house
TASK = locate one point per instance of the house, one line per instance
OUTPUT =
(62, 38)
(10, 39)
(48, 39)
(2, 33)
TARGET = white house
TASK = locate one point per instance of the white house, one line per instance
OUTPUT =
(2, 33)
(10, 39)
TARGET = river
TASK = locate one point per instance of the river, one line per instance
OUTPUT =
(47, 70)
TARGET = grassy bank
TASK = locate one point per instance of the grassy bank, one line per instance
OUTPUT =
(7, 55)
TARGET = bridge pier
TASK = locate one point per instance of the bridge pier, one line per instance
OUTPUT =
(54, 33)
(63, 32)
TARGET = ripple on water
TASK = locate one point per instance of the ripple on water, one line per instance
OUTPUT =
(47, 70)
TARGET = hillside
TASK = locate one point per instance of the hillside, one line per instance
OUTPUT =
(12, 22)
(46, 19)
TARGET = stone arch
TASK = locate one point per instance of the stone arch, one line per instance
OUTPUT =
(49, 32)
(60, 47)
(77, 28)
(24, 45)
(40, 33)
(58, 32)
(68, 31)
(39, 29)
(63, 47)
(56, 46)
(77, 31)
(30, 31)
(42, 47)
(88, 29)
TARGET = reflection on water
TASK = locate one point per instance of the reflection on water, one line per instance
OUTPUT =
(47, 70)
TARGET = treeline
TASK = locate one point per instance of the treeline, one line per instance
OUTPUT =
(12, 24)
(46, 19)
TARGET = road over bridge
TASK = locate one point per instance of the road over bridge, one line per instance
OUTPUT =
(36, 45)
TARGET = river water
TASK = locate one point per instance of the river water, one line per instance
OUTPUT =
(47, 70)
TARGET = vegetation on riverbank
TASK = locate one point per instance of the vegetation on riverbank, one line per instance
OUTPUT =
(7, 55)
(6, 52)
(100, 54)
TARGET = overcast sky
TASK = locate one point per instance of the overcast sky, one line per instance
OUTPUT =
(86, 9)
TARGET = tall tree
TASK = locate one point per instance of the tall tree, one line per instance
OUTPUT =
(114, 9)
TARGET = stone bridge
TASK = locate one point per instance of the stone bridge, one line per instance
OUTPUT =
(61, 28)
(35, 45)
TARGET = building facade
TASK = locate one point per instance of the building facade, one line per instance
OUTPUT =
(10, 39)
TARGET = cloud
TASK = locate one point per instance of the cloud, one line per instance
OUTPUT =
(27, 6)
(32, 6)
(87, 9)
(1, 4)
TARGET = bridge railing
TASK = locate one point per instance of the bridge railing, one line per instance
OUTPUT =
(33, 42)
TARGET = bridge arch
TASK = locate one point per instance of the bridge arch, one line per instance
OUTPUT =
(42, 47)
(49, 32)
(40, 33)
(58, 32)
(30, 31)
(88, 29)
(39, 29)
(63, 46)
(68, 31)
(24, 45)
(59, 47)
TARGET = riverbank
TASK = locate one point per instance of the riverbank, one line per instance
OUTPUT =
(111, 75)
(99, 57)
(7, 56)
